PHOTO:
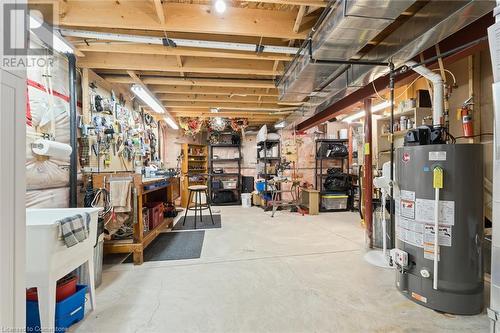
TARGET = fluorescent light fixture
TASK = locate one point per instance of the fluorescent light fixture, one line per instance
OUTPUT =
(280, 124)
(148, 98)
(361, 114)
(51, 37)
(214, 110)
(354, 117)
(220, 6)
(381, 106)
(171, 123)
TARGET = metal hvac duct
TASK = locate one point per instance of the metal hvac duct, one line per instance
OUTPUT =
(430, 25)
(349, 26)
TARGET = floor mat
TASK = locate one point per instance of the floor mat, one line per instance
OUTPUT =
(174, 246)
(206, 224)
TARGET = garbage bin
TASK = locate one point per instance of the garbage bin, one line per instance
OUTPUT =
(81, 272)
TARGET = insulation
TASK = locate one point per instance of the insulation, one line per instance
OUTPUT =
(50, 198)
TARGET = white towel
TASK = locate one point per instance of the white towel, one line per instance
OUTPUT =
(119, 192)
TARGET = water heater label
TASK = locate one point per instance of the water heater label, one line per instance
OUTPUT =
(424, 209)
(437, 156)
(444, 237)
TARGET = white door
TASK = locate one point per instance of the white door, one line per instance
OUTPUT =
(12, 179)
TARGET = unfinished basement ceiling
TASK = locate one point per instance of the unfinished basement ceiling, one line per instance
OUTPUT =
(190, 81)
(353, 30)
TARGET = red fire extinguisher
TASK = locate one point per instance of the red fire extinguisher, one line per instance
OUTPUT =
(466, 114)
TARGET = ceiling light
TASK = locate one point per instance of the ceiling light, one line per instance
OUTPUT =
(355, 116)
(148, 98)
(280, 124)
(214, 110)
(381, 106)
(48, 35)
(171, 123)
(220, 6)
(361, 114)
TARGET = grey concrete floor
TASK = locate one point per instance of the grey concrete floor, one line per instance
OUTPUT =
(261, 274)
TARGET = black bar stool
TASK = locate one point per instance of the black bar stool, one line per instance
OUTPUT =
(198, 190)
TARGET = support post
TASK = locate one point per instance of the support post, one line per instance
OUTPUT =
(72, 131)
(391, 130)
(368, 174)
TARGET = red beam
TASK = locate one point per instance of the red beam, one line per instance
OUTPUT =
(472, 32)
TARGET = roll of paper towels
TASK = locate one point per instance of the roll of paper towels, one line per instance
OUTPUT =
(53, 149)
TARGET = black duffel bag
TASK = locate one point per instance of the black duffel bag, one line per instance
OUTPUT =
(336, 180)
(332, 150)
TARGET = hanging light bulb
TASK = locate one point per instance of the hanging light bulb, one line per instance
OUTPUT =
(220, 6)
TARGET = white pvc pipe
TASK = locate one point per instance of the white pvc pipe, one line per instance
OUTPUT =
(384, 227)
(178, 41)
(436, 238)
(438, 91)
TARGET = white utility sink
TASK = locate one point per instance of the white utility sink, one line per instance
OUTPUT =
(48, 259)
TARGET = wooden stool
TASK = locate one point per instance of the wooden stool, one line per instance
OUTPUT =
(198, 190)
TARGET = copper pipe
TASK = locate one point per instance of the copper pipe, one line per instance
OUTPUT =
(368, 172)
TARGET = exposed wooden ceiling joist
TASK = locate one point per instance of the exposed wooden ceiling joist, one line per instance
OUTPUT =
(180, 17)
(194, 82)
(242, 92)
(169, 64)
(314, 3)
(214, 98)
(119, 47)
(159, 11)
(228, 106)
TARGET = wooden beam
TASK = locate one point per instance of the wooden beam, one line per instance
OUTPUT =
(160, 12)
(119, 47)
(169, 64)
(214, 98)
(179, 63)
(180, 17)
(194, 82)
(235, 92)
(314, 3)
(135, 78)
(86, 113)
(298, 19)
(229, 106)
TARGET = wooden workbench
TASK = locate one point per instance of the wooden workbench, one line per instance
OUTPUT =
(141, 239)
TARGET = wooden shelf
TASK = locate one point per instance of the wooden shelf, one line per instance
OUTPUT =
(397, 133)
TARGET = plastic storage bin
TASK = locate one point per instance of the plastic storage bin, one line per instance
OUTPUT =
(68, 312)
(260, 186)
(229, 184)
(334, 201)
(155, 214)
(65, 288)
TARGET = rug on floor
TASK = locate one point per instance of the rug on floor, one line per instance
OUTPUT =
(206, 224)
(174, 246)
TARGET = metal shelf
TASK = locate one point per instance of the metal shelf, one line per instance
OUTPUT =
(213, 175)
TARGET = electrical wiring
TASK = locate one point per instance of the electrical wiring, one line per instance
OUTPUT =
(412, 83)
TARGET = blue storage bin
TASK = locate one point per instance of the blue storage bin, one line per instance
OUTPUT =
(260, 186)
(68, 311)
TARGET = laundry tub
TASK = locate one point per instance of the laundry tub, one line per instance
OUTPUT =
(48, 259)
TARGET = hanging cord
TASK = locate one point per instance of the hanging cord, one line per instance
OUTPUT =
(411, 84)
(50, 91)
(105, 199)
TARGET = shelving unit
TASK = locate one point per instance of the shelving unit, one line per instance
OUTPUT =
(229, 163)
(267, 161)
(194, 165)
(323, 163)
(383, 136)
